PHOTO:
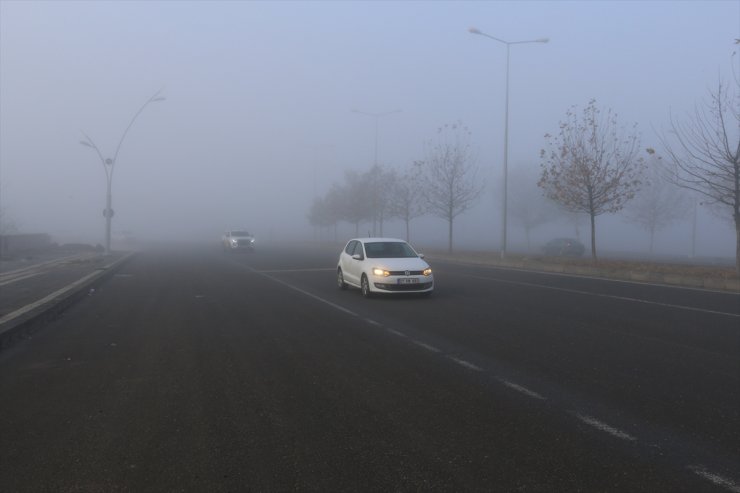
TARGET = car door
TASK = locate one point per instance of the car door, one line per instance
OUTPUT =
(353, 266)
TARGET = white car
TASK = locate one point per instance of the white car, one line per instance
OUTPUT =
(383, 265)
(237, 240)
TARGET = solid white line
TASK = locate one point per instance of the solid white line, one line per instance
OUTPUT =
(615, 297)
(426, 346)
(716, 478)
(466, 364)
(589, 420)
(373, 322)
(523, 390)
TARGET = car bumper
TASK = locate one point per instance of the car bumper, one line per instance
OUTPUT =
(387, 285)
(241, 246)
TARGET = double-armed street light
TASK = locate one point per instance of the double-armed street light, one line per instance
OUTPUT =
(377, 117)
(508, 44)
(109, 165)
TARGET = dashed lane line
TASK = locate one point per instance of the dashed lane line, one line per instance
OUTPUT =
(600, 425)
(465, 364)
(717, 479)
(521, 389)
(426, 346)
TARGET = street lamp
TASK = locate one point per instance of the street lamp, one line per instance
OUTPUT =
(375, 160)
(508, 44)
(109, 164)
(377, 124)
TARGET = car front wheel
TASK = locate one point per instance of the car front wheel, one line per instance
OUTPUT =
(340, 280)
(365, 287)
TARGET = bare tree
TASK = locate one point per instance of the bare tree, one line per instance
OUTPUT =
(406, 198)
(449, 176)
(325, 212)
(356, 200)
(659, 202)
(592, 165)
(527, 203)
(704, 154)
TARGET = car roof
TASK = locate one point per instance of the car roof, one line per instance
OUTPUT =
(377, 239)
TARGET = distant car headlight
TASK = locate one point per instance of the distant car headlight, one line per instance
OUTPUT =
(234, 242)
(427, 271)
(381, 272)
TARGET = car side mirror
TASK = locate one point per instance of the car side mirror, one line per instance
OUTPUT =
(357, 256)
(421, 255)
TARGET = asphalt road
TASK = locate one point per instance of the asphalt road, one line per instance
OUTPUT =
(195, 370)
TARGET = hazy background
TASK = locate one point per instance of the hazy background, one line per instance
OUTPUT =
(258, 116)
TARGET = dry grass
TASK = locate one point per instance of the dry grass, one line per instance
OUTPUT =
(604, 265)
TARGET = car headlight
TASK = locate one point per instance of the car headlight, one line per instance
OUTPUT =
(427, 271)
(381, 272)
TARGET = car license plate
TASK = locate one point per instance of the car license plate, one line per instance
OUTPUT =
(408, 280)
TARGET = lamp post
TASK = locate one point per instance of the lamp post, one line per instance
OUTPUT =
(377, 117)
(377, 124)
(109, 165)
(508, 44)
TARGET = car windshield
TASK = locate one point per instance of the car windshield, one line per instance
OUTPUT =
(239, 233)
(389, 249)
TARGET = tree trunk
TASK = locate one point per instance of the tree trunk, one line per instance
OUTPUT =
(449, 244)
(652, 239)
(593, 238)
(408, 230)
(737, 244)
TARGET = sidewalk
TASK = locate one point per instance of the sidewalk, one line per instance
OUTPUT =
(36, 290)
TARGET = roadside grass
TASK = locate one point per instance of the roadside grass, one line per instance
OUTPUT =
(604, 266)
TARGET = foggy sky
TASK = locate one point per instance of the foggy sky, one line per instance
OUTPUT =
(258, 119)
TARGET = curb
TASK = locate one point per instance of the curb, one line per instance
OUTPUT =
(23, 322)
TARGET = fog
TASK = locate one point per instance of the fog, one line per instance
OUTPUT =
(258, 115)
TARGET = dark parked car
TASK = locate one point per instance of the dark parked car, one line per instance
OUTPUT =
(564, 247)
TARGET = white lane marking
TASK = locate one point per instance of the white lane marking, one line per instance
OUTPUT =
(600, 425)
(396, 333)
(310, 295)
(373, 322)
(600, 295)
(466, 364)
(519, 388)
(728, 484)
(426, 346)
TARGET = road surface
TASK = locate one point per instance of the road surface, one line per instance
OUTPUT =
(196, 370)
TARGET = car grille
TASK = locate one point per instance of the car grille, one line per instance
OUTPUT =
(407, 272)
